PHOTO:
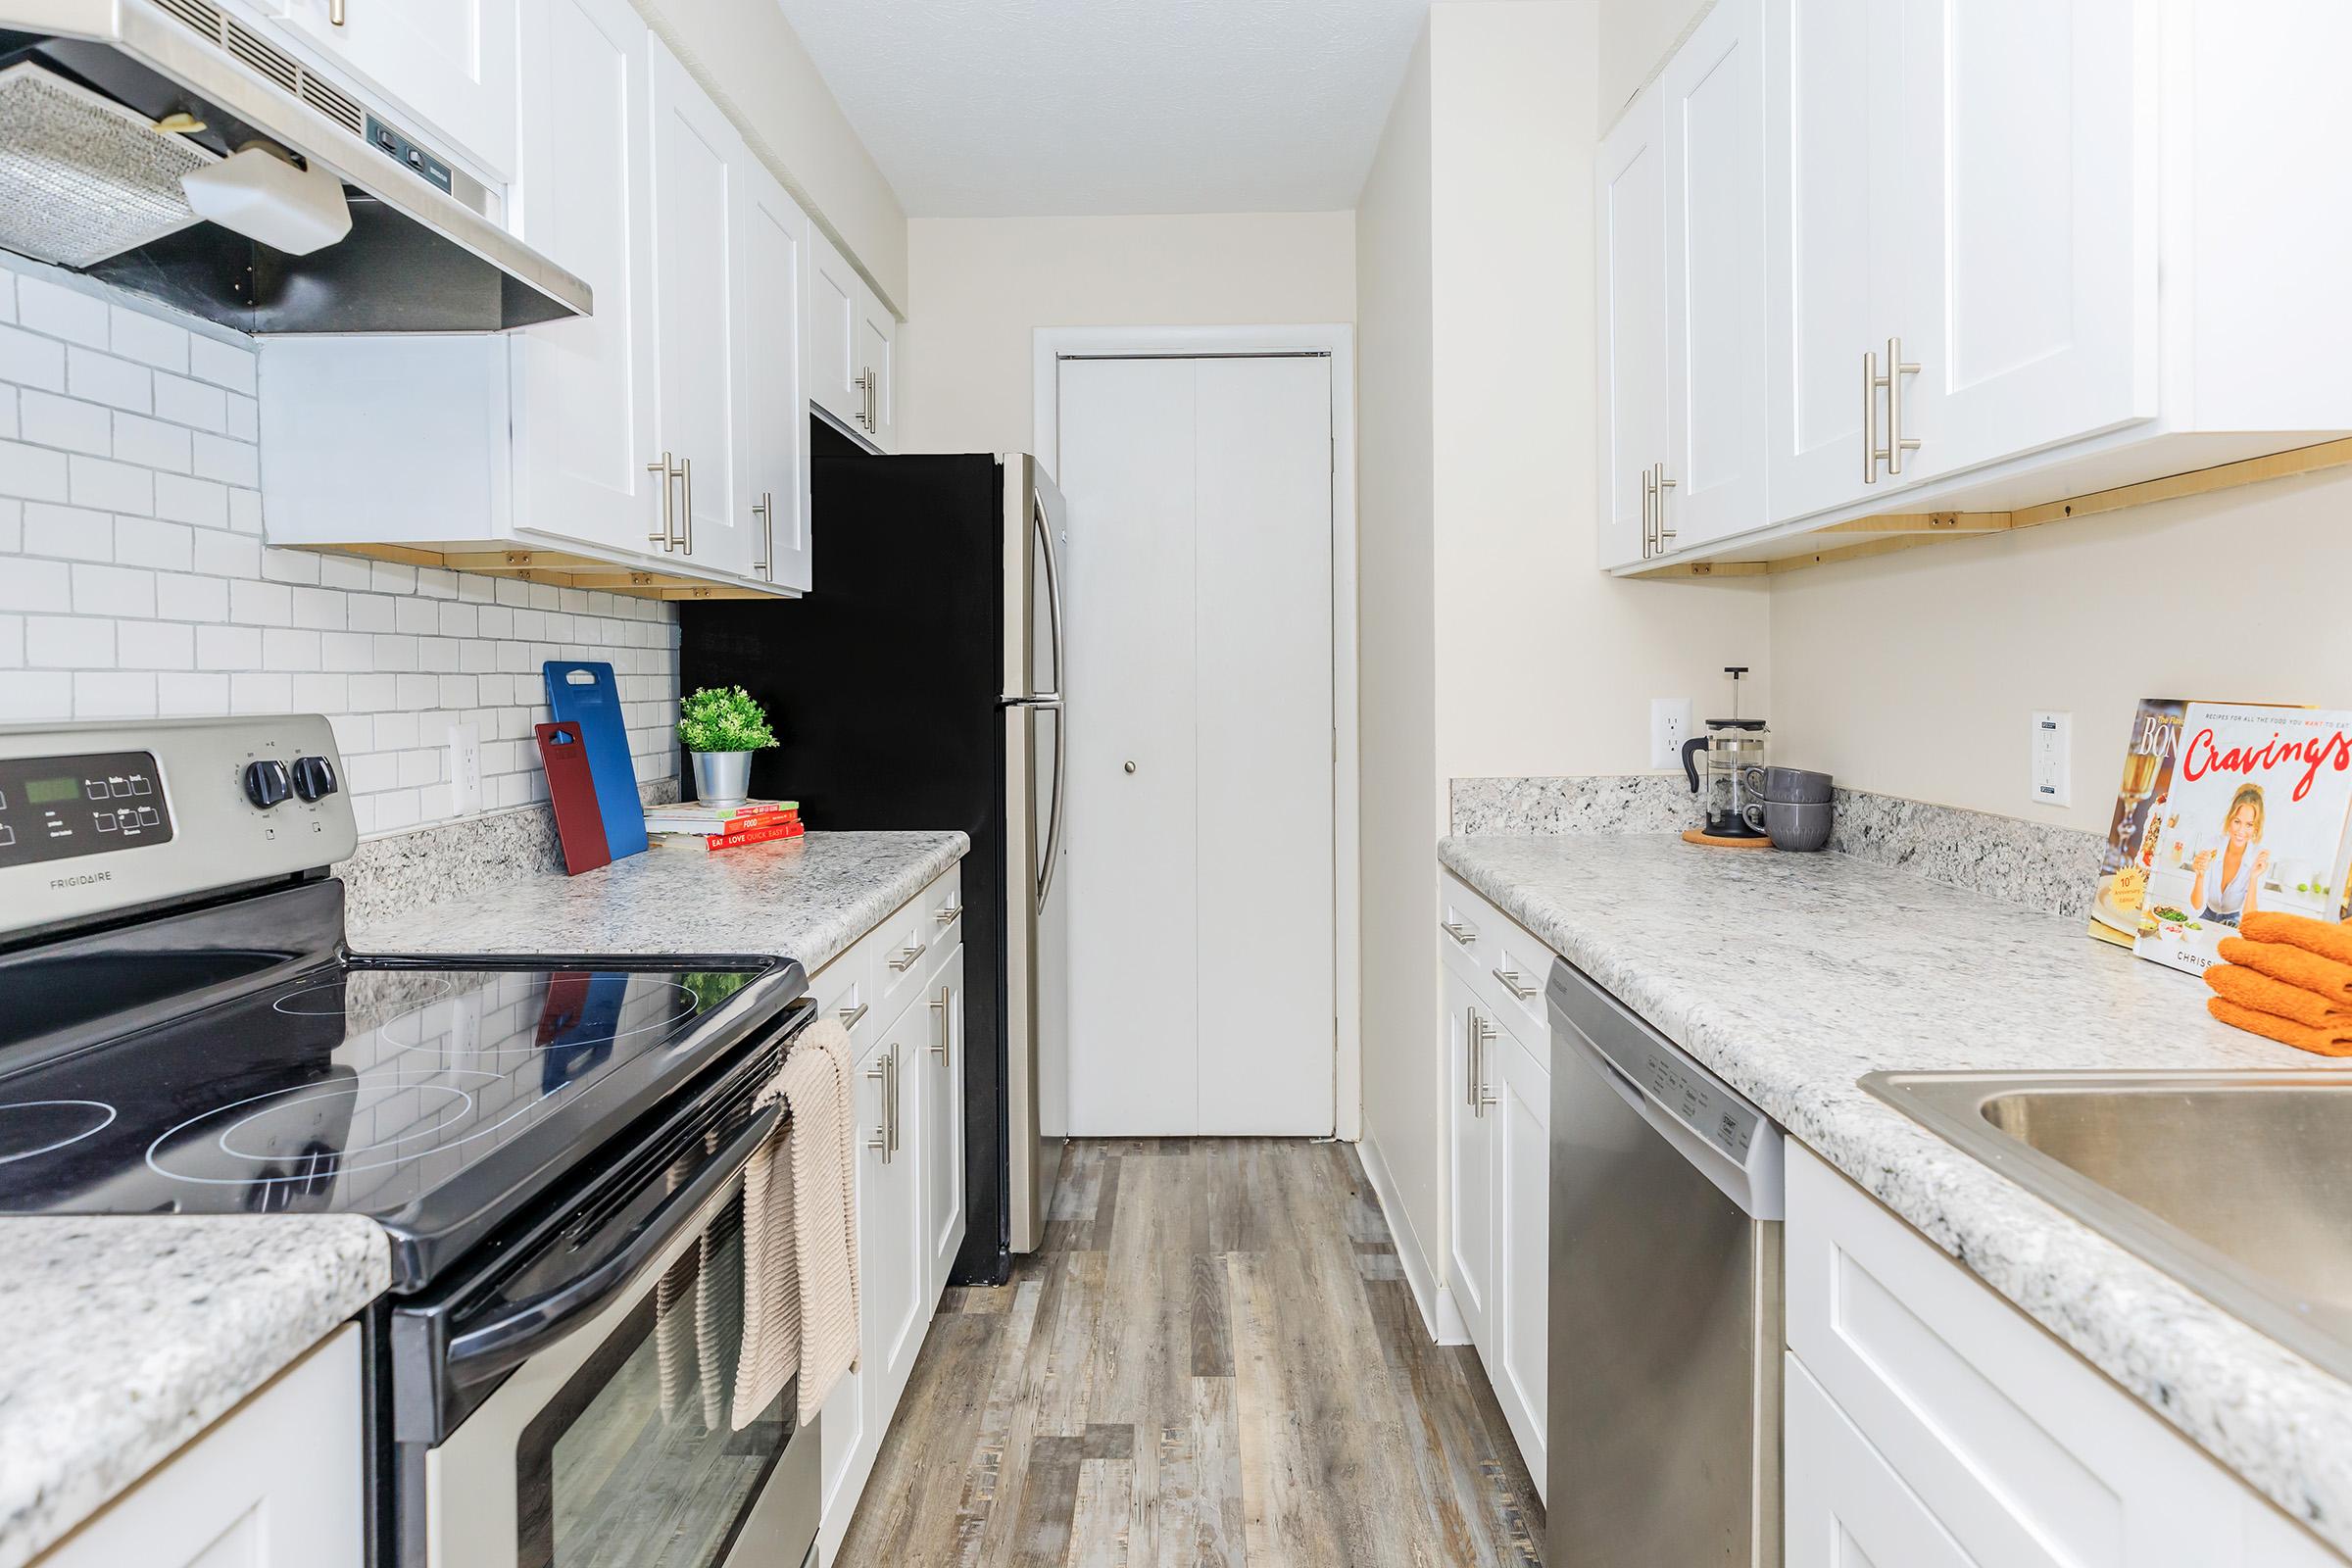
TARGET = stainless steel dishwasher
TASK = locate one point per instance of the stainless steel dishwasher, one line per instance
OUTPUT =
(1664, 1418)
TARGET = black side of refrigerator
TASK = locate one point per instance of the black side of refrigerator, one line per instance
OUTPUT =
(882, 686)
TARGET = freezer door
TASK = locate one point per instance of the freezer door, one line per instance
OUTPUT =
(1036, 536)
(1035, 982)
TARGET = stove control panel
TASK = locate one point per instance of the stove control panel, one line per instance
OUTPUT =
(97, 817)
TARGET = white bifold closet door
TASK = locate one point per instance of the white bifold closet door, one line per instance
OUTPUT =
(1200, 688)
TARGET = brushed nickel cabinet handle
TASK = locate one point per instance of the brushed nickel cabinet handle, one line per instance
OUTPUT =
(906, 958)
(1515, 984)
(1897, 442)
(334, 13)
(668, 529)
(765, 564)
(1658, 509)
(1649, 510)
(894, 1099)
(940, 1005)
(1464, 934)
(950, 914)
(1470, 1057)
(879, 1072)
(686, 507)
(851, 1016)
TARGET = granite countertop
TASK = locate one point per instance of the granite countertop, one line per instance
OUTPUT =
(1792, 975)
(126, 1336)
(808, 898)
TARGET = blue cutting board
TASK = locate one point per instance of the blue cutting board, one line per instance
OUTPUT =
(582, 692)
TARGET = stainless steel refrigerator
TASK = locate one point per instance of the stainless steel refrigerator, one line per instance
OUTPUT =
(919, 685)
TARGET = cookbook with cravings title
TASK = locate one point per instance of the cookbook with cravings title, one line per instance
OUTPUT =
(2252, 816)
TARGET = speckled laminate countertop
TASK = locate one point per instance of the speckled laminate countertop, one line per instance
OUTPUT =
(1793, 975)
(808, 898)
(126, 1336)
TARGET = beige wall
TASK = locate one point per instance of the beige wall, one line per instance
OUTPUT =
(1491, 642)
(748, 57)
(982, 285)
(1401, 812)
(1916, 675)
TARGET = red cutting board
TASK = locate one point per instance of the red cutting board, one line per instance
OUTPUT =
(579, 821)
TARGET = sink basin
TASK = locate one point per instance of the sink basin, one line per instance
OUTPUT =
(2238, 1185)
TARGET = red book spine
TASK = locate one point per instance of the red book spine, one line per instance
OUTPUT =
(756, 835)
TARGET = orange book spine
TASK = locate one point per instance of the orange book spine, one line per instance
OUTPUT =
(756, 835)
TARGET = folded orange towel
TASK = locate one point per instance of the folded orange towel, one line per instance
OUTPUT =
(2331, 1042)
(2322, 937)
(2250, 988)
(2297, 966)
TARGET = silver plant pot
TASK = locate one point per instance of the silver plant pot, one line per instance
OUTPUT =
(723, 778)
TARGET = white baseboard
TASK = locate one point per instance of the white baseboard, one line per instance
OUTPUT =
(1440, 1317)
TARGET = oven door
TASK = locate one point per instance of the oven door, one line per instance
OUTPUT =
(609, 1346)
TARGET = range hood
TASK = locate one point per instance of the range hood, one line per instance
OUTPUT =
(104, 104)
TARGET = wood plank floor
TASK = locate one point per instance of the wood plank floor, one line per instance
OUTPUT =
(1215, 1359)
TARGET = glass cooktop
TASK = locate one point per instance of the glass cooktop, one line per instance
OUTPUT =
(433, 1099)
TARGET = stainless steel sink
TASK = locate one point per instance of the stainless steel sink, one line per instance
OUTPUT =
(2238, 1185)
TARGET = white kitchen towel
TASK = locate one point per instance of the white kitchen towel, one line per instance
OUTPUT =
(800, 1233)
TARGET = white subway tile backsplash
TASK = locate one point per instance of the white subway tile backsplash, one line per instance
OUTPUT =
(103, 379)
(191, 403)
(69, 642)
(133, 579)
(222, 364)
(59, 310)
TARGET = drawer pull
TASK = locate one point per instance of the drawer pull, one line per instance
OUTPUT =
(907, 956)
(1515, 985)
(1461, 933)
(851, 1016)
(950, 914)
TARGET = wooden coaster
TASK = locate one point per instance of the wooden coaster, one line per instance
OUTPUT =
(1699, 834)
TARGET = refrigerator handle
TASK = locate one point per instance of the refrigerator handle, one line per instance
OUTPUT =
(1061, 752)
(1045, 530)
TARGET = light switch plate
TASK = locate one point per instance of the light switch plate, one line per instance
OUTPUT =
(1669, 727)
(2053, 749)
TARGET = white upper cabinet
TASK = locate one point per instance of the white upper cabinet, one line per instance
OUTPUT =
(450, 63)
(878, 380)
(583, 388)
(2026, 131)
(772, 442)
(831, 324)
(1630, 234)
(700, 197)
(2014, 253)
(1712, 98)
(1819, 262)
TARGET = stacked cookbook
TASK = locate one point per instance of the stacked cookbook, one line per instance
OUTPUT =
(2227, 809)
(690, 826)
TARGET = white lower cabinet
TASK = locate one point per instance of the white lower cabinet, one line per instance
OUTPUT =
(274, 1484)
(907, 1095)
(1931, 1423)
(1499, 1156)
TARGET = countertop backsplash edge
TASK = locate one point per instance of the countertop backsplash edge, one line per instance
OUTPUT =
(2037, 866)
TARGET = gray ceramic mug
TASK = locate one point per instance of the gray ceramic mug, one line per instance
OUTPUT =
(1794, 785)
(1790, 825)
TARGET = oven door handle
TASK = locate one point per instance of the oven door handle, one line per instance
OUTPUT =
(490, 1350)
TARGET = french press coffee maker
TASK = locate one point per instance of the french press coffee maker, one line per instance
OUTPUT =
(1714, 762)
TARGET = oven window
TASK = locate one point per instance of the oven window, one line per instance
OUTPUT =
(635, 1463)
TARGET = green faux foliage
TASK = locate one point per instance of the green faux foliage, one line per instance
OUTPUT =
(724, 718)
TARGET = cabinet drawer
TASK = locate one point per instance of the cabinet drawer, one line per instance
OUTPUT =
(912, 943)
(1504, 964)
(1466, 919)
(843, 991)
(2027, 1455)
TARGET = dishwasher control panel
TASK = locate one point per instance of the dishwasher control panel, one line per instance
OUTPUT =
(1702, 1104)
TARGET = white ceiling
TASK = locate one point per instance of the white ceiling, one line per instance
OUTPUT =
(1048, 108)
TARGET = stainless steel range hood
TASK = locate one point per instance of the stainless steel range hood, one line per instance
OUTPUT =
(423, 255)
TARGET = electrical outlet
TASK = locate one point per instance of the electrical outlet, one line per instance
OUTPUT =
(1669, 727)
(2053, 747)
(465, 768)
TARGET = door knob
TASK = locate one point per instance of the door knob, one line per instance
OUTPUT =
(1130, 768)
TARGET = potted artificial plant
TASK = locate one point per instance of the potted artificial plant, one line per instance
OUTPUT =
(721, 726)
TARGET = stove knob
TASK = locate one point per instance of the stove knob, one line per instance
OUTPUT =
(267, 783)
(314, 779)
